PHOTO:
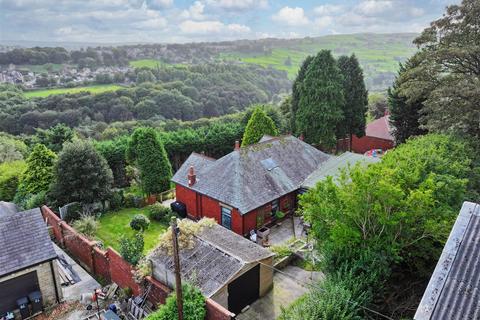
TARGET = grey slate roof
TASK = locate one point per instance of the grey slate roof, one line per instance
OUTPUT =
(454, 288)
(24, 241)
(7, 208)
(244, 180)
(208, 264)
(332, 167)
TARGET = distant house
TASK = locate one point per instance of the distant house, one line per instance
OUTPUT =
(377, 136)
(245, 189)
(454, 289)
(226, 267)
(27, 260)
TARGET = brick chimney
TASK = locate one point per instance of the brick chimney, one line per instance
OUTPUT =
(192, 177)
(237, 145)
(301, 137)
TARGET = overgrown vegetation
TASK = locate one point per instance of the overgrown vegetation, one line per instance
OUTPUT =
(131, 249)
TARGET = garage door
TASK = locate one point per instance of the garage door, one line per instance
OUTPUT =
(15, 288)
(244, 290)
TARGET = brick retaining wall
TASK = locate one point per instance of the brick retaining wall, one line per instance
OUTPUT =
(112, 267)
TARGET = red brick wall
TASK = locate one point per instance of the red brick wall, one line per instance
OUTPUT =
(53, 221)
(210, 208)
(121, 272)
(159, 292)
(217, 312)
(101, 263)
(249, 222)
(363, 144)
(188, 197)
(237, 222)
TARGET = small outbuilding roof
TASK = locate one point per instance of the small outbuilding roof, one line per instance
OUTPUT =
(216, 257)
(252, 176)
(333, 166)
(380, 128)
(24, 241)
(453, 291)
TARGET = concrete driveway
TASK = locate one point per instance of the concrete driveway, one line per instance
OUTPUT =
(288, 285)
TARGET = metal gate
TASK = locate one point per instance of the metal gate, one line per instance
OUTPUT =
(15, 288)
(244, 290)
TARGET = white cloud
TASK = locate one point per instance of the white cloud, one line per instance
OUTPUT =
(155, 23)
(294, 17)
(323, 22)
(238, 5)
(374, 7)
(212, 26)
(195, 12)
(159, 4)
(328, 9)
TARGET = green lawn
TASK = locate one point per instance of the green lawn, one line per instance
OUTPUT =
(93, 89)
(113, 225)
(149, 63)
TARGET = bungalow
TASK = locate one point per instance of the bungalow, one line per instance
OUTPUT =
(245, 189)
(27, 267)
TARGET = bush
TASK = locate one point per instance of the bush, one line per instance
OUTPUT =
(132, 201)
(132, 249)
(86, 225)
(10, 174)
(281, 251)
(116, 200)
(36, 200)
(139, 222)
(193, 306)
(74, 212)
(159, 212)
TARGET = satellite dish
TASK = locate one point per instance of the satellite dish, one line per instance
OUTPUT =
(89, 307)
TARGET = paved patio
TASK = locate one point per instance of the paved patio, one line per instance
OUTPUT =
(288, 285)
(279, 234)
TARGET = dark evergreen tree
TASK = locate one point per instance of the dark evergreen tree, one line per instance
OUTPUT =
(146, 150)
(296, 91)
(258, 125)
(356, 99)
(404, 113)
(81, 174)
(321, 101)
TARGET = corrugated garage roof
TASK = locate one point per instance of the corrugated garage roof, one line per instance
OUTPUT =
(454, 288)
(24, 241)
(255, 175)
(216, 257)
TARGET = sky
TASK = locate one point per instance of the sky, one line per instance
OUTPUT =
(180, 21)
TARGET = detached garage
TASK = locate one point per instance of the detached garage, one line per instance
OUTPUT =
(27, 269)
(229, 269)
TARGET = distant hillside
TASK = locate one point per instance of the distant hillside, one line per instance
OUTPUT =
(379, 54)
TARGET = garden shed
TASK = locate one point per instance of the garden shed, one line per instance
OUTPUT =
(226, 267)
(27, 259)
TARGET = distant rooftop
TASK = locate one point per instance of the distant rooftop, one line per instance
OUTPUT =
(7, 208)
(454, 289)
(380, 128)
(24, 241)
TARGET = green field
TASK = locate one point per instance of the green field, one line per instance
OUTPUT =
(148, 63)
(115, 224)
(379, 55)
(92, 89)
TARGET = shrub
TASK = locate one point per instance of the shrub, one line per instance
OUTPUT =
(139, 222)
(116, 200)
(159, 212)
(10, 173)
(73, 212)
(36, 200)
(280, 214)
(86, 225)
(132, 249)
(281, 251)
(193, 306)
(132, 201)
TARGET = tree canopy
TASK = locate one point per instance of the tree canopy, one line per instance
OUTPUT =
(146, 151)
(81, 175)
(321, 100)
(258, 125)
(39, 172)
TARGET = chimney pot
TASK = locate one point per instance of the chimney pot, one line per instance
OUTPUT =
(301, 137)
(237, 145)
(192, 177)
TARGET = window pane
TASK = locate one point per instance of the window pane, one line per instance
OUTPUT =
(226, 218)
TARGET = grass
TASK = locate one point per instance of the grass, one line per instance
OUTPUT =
(148, 63)
(113, 225)
(92, 89)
